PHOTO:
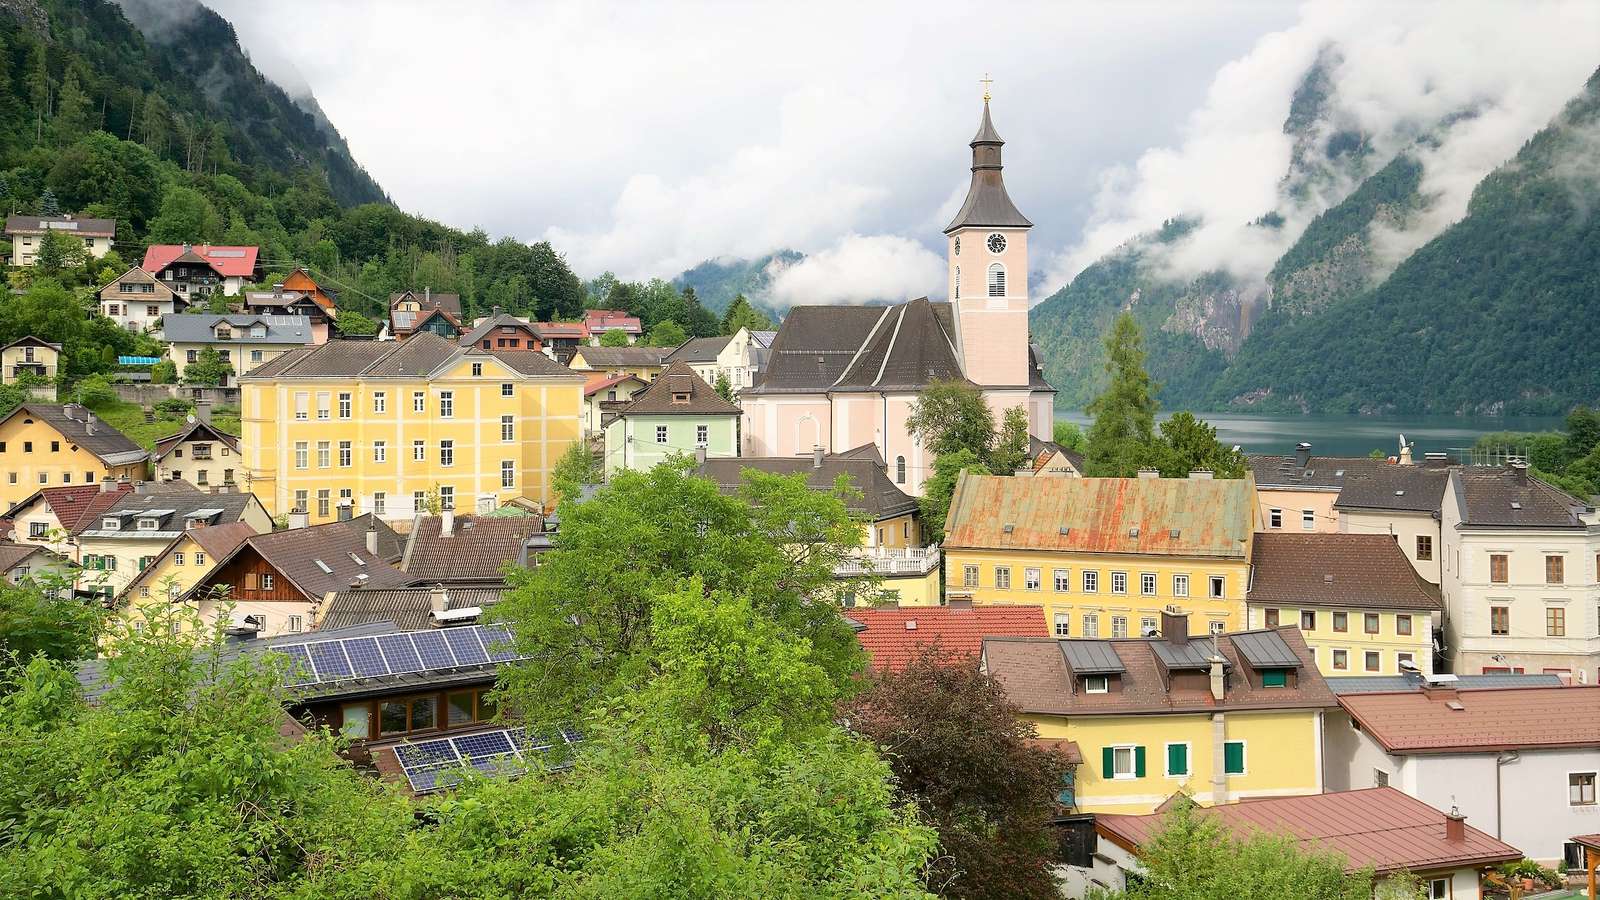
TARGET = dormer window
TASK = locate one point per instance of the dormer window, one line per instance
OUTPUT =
(224, 333)
(1274, 678)
(1096, 684)
(111, 523)
(149, 523)
(680, 397)
(258, 331)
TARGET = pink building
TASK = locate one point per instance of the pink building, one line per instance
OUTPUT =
(842, 376)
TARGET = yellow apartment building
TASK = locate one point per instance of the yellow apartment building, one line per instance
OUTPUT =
(1105, 557)
(1220, 718)
(1359, 604)
(397, 428)
(45, 445)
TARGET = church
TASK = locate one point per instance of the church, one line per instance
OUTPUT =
(841, 377)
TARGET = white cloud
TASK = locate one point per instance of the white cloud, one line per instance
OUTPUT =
(859, 269)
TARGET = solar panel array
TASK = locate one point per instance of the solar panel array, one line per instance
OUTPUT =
(397, 654)
(435, 764)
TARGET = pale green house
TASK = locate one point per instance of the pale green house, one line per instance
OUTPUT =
(677, 413)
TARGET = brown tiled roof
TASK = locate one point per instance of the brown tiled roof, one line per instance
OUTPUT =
(415, 356)
(1320, 473)
(72, 422)
(1487, 720)
(624, 357)
(603, 382)
(1042, 451)
(490, 323)
(196, 431)
(478, 550)
(1036, 676)
(1592, 841)
(814, 346)
(529, 362)
(72, 504)
(12, 554)
(894, 637)
(678, 378)
(1513, 498)
(880, 497)
(1397, 488)
(1166, 516)
(31, 341)
(1378, 827)
(296, 553)
(450, 303)
(89, 227)
(409, 609)
(1365, 570)
(332, 359)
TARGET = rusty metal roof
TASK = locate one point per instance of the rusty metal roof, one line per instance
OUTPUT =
(1157, 516)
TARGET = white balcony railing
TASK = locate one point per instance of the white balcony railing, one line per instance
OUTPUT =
(890, 561)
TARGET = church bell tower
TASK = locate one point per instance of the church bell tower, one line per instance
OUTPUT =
(988, 270)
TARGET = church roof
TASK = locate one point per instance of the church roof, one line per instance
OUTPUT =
(987, 205)
(910, 347)
(862, 348)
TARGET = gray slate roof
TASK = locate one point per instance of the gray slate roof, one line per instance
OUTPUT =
(409, 609)
(1320, 473)
(697, 350)
(490, 323)
(625, 357)
(73, 422)
(1514, 499)
(64, 224)
(1265, 649)
(1090, 657)
(1395, 488)
(478, 548)
(175, 507)
(880, 497)
(415, 356)
(199, 328)
(1387, 684)
(842, 348)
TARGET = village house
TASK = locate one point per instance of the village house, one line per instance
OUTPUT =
(561, 339)
(502, 331)
(300, 296)
(199, 270)
(738, 357)
(29, 356)
(450, 549)
(603, 395)
(176, 568)
(1051, 460)
(410, 312)
(1519, 761)
(277, 582)
(1380, 829)
(408, 608)
(32, 563)
(1360, 605)
(677, 413)
(1520, 562)
(242, 340)
(53, 516)
(1218, 718)
(44, 444)
(27, 235)
(395, 429)
(1104, 556)
(1401, 501)
(200, 454)
(599, 321)
(137, 301)
(1297, 492)
(127, 538)
(894, 637)
(644, 363)
(893, 547)
(842, 376)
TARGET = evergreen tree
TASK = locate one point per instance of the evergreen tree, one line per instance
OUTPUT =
(723, 388)
(1124, 415)
(155, 124)
(741, 314)
(39, 84)
(48, 205)
(72, 111)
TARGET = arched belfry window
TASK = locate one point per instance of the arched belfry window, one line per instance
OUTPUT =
(997, 280)
(958, 282)
(900, 470)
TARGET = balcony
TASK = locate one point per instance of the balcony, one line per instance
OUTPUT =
(889, 561)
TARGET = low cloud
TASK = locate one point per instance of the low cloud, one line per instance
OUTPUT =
(861, 269)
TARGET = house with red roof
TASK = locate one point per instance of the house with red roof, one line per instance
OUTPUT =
(1520, 761)
(192, 270)
(1378, 828)
(600, 321)
(894, 636)
(604, 395)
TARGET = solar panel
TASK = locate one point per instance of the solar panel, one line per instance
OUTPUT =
(431, 765)
(364, 657)
(226, 254)
(329, 659)
(468, 650)
(477, 746)
(401, 653)
(433, 651)
(426, 753)
(570, 734)
(497, 640)
(300, 670)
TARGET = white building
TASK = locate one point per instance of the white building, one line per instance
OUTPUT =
(737, 357)
(1402, 501)
(137, 301)
(27, 235)
(1520, 763)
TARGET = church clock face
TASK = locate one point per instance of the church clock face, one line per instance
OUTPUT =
(997, 243)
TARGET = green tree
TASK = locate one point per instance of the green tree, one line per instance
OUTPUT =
(940, 488)
(94, 391)
(952, 415)
(207, 369)
(1010, 451)
(614, 339)
(741, 314)
(1123, 432)
(963, 753)
(723, 387)
(1069, 436)
(164, 372)
(353, 323)
(666, 334)
(1188, 444)
(155, 123)
(58, 251)
(39, 87)
(48, 205)
(1583, 432)
(186, 216)
(72, 111)
(576, 468)
(40, 616)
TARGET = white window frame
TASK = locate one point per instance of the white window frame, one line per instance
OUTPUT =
(1097, 684)
(447, 404)
(1274, 518)
(1063, 581)
(380, 503)
(1148, 584)
(702, 435)
(347, 404)
(324, 405)
(1091, 625)
(419, 401)
(1002, 578)
(380, 451)
(508, 474)
(380, 402)
(508, 429)
(447, 497)
(1091, 581)
(1119, 627)
(1213, 592)
(1594, 783)
(1308, 520)
(447, 453)
(1180, 585)
(996, 280)
(1132, 773)
(1032, 579)
(302, 454)
(969, 576)
(419, 451)
(661, 434)
(507, 389)
(1116, 578)
(347, 454)
(302, 406)
(324, 454)
(1063, 625)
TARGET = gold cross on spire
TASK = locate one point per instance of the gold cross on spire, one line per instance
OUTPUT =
(986, 81)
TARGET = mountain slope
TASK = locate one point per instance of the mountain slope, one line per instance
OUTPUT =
(717, 281)
(1499, 314)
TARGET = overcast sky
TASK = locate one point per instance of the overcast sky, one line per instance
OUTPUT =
(646, 137)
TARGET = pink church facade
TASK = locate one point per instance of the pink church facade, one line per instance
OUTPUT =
(841, 377)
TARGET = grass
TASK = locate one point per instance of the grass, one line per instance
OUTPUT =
(128, 418)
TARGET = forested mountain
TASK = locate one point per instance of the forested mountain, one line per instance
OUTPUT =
(1223, 340)
(717, 281)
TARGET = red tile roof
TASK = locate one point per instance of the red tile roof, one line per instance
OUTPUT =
(1487, 720)
(608, 319)
(561, 329)
(230, 261)
(81, 503)
(894, 637)
(1378, 827)
(601, 382)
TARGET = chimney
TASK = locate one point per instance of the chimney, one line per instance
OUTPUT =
(447, 523)
(438, 601)
(372, 536)
(494, 312)
(88, 422)
(202, 411)
(1302, 454)
(700, 456)
(816, 456)
(1455, 826)
(1175, 627)
(141, 487)
(1200, 474)
(344, 512)
(1517, 467)
(224, 488)
(1219, 681)
(277, 290)
(107, 485)
(1439, 690)
(1149, 473)
(299, 519)
(427, 294)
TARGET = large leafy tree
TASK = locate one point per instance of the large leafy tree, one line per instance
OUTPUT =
(1010, 450)
(1189, 444)
(614, 338)
(950, 416)
(940, 488)
(36, 618)
(1123, 432)
(207, 369)
(961, 752)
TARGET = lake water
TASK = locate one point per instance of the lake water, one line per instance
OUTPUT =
(1354, 435)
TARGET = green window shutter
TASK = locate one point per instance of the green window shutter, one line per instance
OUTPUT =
(1177, 759)
(1138, 762)
(1108, 757)
(1233, 757)
(1275, 678)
